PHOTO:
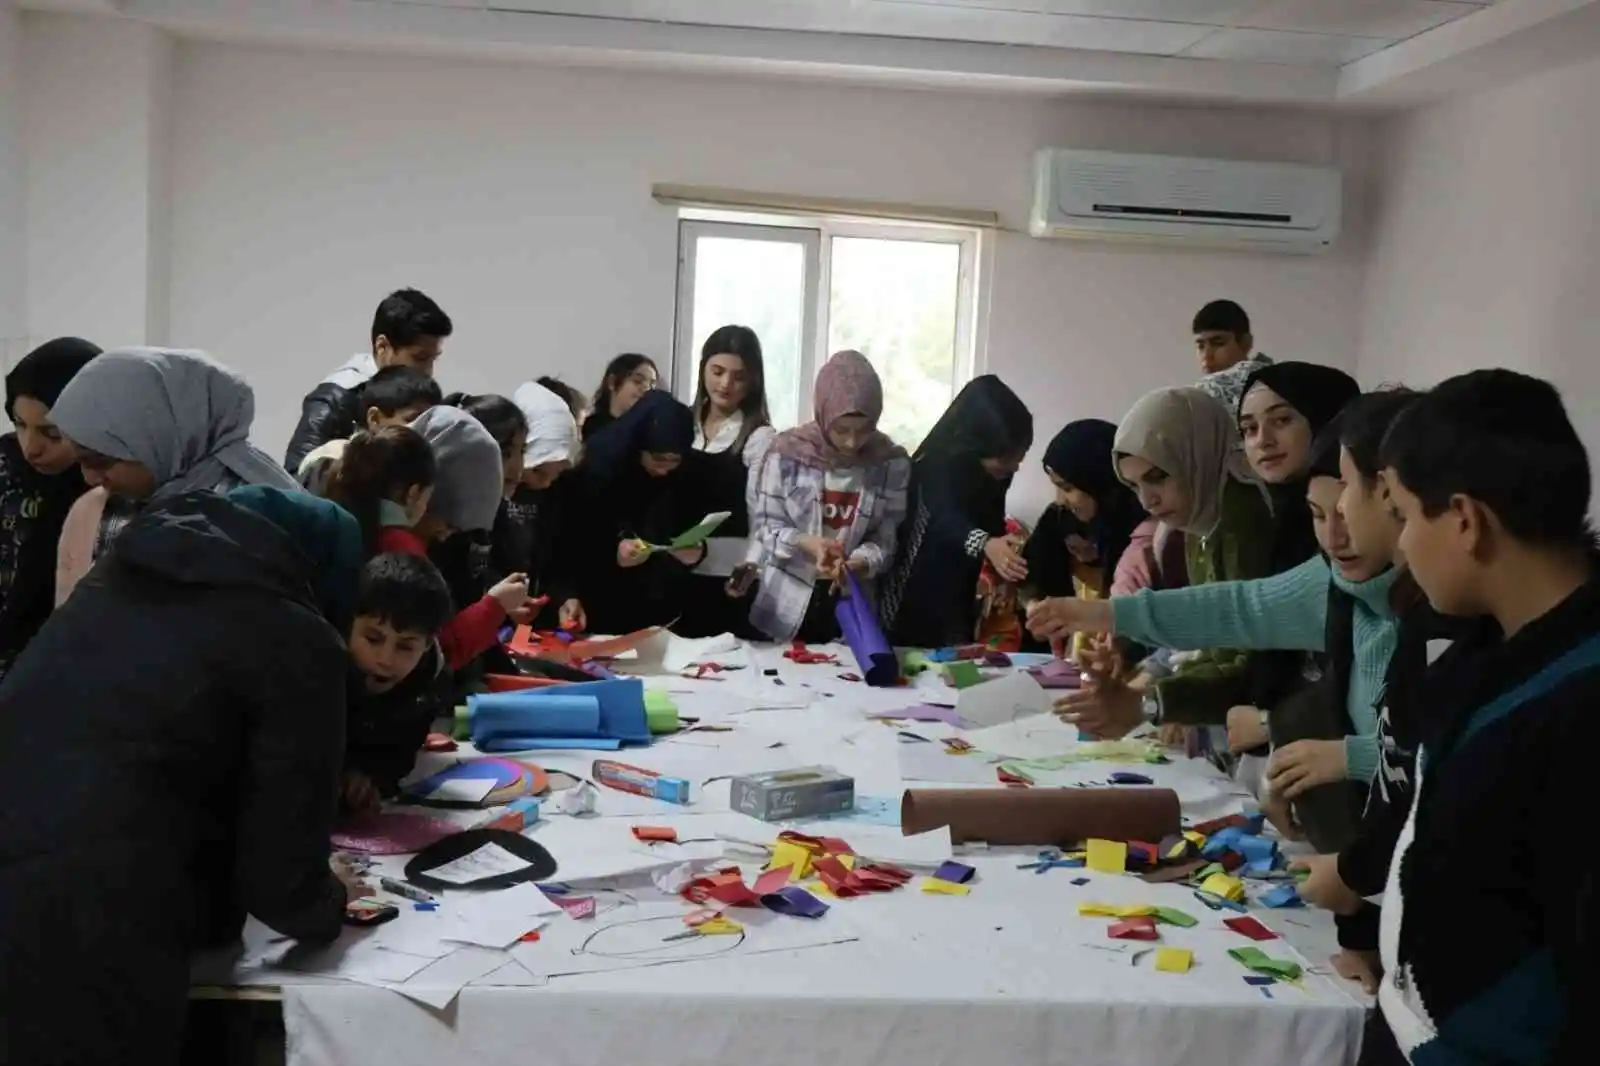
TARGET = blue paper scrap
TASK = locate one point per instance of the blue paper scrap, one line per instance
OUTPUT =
(1258, 979)
(957, 873)
(1280, 896)
(1080, 881)
(425, 906)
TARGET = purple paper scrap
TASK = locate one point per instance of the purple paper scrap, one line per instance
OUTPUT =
(1080, 881)
(957, 873)
(796, 901)
(924, 712)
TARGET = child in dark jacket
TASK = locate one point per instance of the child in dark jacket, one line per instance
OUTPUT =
(396, 671)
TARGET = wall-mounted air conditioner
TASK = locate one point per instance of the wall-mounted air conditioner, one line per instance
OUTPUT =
(1279, 207)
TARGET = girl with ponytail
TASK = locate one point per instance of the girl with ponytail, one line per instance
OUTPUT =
(385, 479)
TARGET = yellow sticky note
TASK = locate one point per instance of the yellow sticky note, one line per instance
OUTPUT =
(1174, 960)
(1107, 856)
(797, 858)
(941, 887)
(1230, 888)
(718, 926)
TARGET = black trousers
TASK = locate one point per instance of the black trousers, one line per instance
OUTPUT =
(1378, 1047)
(1359, 931)
(820, 624)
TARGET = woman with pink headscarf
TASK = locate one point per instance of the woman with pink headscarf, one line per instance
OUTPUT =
(828, 497)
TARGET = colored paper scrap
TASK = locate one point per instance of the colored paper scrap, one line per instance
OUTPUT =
(1134, 929)
(1080, 881)
(718, 926)
(1109, 857)
(793, 856)
(963, 674)
(1280, 896)
(1262, 963)
(1197, 839)
(772, 880)
(1173, 916)
(1217, 903)
(939, 886)
(1259, 979)
(1245, 925)
(957, 873)
(1126, 777)
(1229, 888)
(654, 833)
(1116, 910)
(796, 901)
(1175, 848)
(1208, 870)
(1174, 960)
(575, 906)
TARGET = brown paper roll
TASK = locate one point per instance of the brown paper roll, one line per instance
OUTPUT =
(1058, 817)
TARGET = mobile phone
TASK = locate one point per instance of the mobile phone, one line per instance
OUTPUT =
(741, 580)
(368, 911)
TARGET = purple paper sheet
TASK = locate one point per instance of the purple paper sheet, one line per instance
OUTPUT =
(925, 712)
(858, 621)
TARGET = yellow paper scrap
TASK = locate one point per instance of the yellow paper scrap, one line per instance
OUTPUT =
(1174, 960)
(939, 886)
(1230, 888)
(718, 926)
(1107, 856)
(818, 888)
(1197, 839)
(797, 858)
(1116, 910)
(847, 861)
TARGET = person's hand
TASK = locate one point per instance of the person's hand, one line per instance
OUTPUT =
(1324, 887)
(1100, 659)
(357, 792)
(571, 617)
(1363, 966)
(1279, 814)
(1306, 764)
(1107, 711)
(632, 552)
(1007, 561)
(525, 614)
(1245, 729)
(511, 592)
(689, 556)
(1062, 616)
(349, 877)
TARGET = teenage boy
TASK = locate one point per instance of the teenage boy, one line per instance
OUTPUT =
(396, 674)
(395, 396)
(408, 330)
(1223, 341)
(1493, 486)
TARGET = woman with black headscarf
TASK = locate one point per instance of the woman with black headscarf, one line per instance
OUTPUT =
(956, 517)
(39, 482)
(641, 486)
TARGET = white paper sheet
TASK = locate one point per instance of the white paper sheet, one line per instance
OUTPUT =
(1004, 699)
(591, 849)
(463, 789)
(681, 652)
(886, 844)
(931, 762)
(1037, 736)
(356, 959)
(442, 979)
(499, 918)
(490, 860)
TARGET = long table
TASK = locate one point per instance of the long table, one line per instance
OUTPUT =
(1009, 972)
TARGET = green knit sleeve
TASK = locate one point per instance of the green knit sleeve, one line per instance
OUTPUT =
(1288, 610)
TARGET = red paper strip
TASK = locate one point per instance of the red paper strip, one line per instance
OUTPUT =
(1205, 829)
(1245, 925)
(772, 880)
(575, 906)
(1134, 929)
(652, 833)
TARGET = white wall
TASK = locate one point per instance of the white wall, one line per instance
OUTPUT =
(13, 234)
(1486, 241)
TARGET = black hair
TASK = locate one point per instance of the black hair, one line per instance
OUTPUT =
(1359, 429)
(380, 465)
(406, 316)
(1222, 316)
(619, 368)
(742, 342)
(502, 418)
(1504, 440)
(574, 399)
(395, 388)
(406, 591)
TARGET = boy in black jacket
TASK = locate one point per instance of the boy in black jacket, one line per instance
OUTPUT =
(1488, 921)
(397, 675)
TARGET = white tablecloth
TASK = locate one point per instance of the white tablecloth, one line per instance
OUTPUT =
(1007, 974)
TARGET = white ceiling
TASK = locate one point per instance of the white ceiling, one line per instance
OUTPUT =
(1319, 53)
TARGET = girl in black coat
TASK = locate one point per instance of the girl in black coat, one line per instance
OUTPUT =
(956, 517)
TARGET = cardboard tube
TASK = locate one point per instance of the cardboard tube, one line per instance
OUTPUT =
(1058, 817)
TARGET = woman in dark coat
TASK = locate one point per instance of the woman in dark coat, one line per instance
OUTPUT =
(176, 775)
(641, 484)
(956, 517)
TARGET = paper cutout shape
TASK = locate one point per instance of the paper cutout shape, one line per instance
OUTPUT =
(1173, 916)
(1259, 961)
(772, 880)
(788, 855)
(1229, 888)
(655, 833)
(1245, 925)
(1080, 881)
(546, 645)
(1116, 910)
(941, 887)
(512, 780)
(579, 907)
(519, 721)
(1107, 856)
(963, 674)
(696, 534)
(1174, 960)
(391, 832)
(1280, 896)
(863, 634)
(718, 926)
(955, 872)
(1134, 929)
(794, 901)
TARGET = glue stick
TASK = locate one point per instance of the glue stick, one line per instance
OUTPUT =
(639, 781)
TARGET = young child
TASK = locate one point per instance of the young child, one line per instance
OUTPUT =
(829, 495)
(956, 516)
(394, 396)
(1492, 484)
(1224, 344)
(395, 669)
(627, 378)
(466, 558)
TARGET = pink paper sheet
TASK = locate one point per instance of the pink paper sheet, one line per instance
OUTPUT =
(390, 832)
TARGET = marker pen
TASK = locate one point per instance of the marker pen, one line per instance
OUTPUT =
(405, 891)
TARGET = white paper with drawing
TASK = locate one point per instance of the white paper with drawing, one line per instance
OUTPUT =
(491, 860)
(1004, 699)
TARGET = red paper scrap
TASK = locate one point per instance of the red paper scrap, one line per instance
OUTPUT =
(1231, 861)
(1245, 925)
(439, 742)
(528, 938)
(1142, 854)
(1205, 829)
(799, 653)
(655, 833)
(725, 886)
(1011, 780)
(818, 845)
(575, 906)
(772, 880)
(1140, 928)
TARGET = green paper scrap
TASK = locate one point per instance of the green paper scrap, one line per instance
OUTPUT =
(462, 729)
(1113, 750)
(913, 662)
(660, 713)
(1206, 871)
(696, 536)
(963, 673)
(1259, 961)
(1173, 916)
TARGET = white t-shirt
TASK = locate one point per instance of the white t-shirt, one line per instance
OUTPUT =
(841, 495)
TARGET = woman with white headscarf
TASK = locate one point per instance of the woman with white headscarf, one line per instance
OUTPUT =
(528, 534)
(147, 423)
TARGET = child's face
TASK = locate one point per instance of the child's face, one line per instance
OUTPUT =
(659, 464)
(626, 391)
(1333, 534)
(544, 475)
(1219, 349)
(1440, 551)
(1277, 438)
(43, 446)
(404, 416)
(120, 477)
(1159, 492)
(385, 655)
(726, 382)
(1074, 499)
(1368, 518)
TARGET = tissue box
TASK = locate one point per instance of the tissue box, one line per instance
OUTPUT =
(783, 794)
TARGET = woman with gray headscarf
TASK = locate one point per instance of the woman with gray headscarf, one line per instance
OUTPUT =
(147, 423)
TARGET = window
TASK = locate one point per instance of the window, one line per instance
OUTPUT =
(901, 295)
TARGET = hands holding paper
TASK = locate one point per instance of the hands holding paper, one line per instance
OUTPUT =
(1062, 616)
(1305, 764)
(512, 594)
(1324, 887)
